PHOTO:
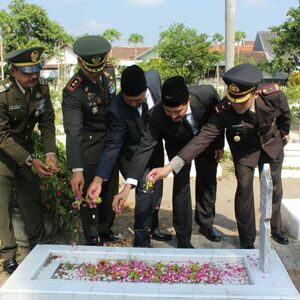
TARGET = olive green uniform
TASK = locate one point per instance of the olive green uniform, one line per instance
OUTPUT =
(19, 113)
(84, 109)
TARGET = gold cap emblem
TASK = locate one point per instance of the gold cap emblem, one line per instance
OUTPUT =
(96, 60)
(35, 56)
(236, 138)
(234, 88)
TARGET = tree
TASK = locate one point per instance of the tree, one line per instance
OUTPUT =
(112, 35)
(239, 37)
(218, 38)
(286, 44)
(135, 39)
(160, 65)
(186, 53)
(27, 25)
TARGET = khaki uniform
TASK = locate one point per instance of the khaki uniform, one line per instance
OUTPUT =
(19, 113)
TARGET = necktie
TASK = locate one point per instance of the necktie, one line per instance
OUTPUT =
(27, 94)
(145, 109)
(187, 127)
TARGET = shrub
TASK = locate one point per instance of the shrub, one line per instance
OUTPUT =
(57, 196)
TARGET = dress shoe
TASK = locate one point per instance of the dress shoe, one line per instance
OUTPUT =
(109, 237)
(247, 245)
(211, 234)
(160, 235)
(280, 237)
(10, 265)
(95, 241)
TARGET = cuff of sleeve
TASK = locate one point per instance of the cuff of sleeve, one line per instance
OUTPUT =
(131, 181)
(176, 164)
(77, 170)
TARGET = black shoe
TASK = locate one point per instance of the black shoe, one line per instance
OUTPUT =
(160, 235)
(247, 245)
(95, 241)
(280, 237)
(109, 237)
(211, 234)
(10, 265)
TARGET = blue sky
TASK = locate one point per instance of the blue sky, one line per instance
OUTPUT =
(150, 17)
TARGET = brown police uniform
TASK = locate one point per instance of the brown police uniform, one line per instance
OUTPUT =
(19, 113)
(84, 109)
(255, 137)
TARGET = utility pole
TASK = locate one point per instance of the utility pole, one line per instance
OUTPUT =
(229, 33)
(1, 55)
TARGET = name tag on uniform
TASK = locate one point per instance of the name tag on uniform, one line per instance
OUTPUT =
(14, 107)
(40, 104)
(40, 107)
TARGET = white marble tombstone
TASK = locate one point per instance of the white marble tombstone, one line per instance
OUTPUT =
(266, 192)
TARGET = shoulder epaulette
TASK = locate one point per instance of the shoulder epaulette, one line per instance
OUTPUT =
(5, 86)
(108, 75)
(269, 89)
(73, 84)
(109, 65)
(43, 81)
(222, 106)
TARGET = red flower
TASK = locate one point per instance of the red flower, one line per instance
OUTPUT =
(58, 194)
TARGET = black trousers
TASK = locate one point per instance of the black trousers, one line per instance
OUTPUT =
(206, 169)
(147, 205)
(27, 190)
(244, 197)
(98, 221)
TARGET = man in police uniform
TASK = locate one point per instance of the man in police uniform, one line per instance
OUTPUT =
(85, 101)
(257, 122)
(24, 101)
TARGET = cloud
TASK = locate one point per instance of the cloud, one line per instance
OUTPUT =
(96, 25)
(145, 2)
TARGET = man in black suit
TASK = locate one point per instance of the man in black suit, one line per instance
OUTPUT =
(85, 100)
(139, 92)
(257, 122)
(177, 119)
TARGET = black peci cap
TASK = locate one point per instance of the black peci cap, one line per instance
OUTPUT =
(174, 91)
(133, 81)
(26, 60)
(92, 50)
(241, 80)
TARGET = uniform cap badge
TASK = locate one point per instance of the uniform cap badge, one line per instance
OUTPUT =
(35, 56)
(234, 88)
(96, 60)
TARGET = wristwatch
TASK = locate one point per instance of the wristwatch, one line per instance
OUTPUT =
(30, 159)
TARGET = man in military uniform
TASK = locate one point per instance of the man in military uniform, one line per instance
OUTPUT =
(85, 101)
(257, 122)
(24, 101)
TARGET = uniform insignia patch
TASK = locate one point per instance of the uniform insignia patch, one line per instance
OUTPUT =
(5, 87)
(74, 83)
(112, 89)
(224, 105)
(269, 89)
